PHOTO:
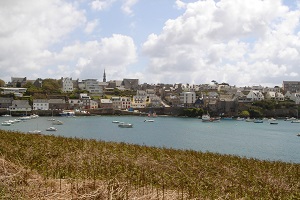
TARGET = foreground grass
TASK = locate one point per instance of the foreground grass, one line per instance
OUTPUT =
(36, 166)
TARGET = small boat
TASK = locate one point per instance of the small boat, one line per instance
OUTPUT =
(258, 121)
(240, 119)
(35, 131)
(57, 122)
(205, 118)
(125, 125)
(298, 134)
(116, 122)
(7, 115)
(274, 123)
(34, 116)
(148, 120)
(51, 119)
(295, 121)
(6, 123)
(24, 118)
(249, 120)
(51, 129)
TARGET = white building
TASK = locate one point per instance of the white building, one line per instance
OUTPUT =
(277, 96)
(187, 98)
(91, 85)
(295, 97)
(40, 104)
(255, 95)
(10, 90)
(20, 105)
(67, 84)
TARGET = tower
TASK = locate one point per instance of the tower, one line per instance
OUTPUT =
(104, 76)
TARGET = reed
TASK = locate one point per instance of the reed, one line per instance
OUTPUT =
(112, 170)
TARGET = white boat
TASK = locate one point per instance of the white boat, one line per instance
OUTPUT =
(34, 116)
(249, 120)
(298, 134)
(5, 123)
(25, 118)
(125, 125)
(258, 121)
(205, 118)
(295, 121)
(7, 115)
(57, 122)
(116, 122)
(68, 113)
(51, 129)
(35, 131)
(240, 119)
(149, 120)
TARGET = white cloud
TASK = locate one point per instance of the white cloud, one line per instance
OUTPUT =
(231, 41)
(29, 28)
(91, 26)
(101, 4)
(127, 5)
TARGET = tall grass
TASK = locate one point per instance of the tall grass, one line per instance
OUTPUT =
(126, 167)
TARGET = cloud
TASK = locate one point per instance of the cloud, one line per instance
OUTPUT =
(101, 4)
(91, 26)
(127, 5)
(233, 41)
(114, 54)
(29, 28)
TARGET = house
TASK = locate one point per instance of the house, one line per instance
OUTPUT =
(20, 105)
(40, 104)
(139, 102)
(67, 84)
(75, 104)
(86, 100)
(292, 86)
(57, 104)
(125, 103)
(94, 104)
(295, 97)
(5, 102)
(116, 102)
(276, 96)
(91, 85)
(255, 95)
(106, 103)
(130, 84)
(17, 82)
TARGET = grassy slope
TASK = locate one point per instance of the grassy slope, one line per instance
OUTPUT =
(189, 174)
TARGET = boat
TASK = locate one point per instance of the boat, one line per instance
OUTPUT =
(51, 129)
(125, 125)
(148, 120)
(24, 118)
(258, 121)
(116, 122)
(295, 121)
(57, 122)
(6, 123)
(249, 120)
(7, 115)
(298, 134)
(205, 118)
(35, 131)
(34, 116)
(274, 123)
(240, 119)
(67, 113)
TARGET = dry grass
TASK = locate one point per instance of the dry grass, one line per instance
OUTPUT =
(50, 167)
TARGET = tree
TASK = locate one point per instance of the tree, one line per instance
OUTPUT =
(51, 86)
(2, 83)
(245, 113)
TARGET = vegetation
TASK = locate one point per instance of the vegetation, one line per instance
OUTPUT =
(192, 112)
(72, 168)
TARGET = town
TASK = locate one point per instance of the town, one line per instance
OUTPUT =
(91, 96)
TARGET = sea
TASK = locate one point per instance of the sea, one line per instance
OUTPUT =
(263, 141)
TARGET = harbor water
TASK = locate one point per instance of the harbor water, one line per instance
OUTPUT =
(265, 141)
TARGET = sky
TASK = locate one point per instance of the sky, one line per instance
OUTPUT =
(240, 42)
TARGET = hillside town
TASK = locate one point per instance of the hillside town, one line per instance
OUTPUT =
(25, 95)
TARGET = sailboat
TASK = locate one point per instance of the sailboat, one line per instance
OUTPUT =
(296, 120)
(51, 119)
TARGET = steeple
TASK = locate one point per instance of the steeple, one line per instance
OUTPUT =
(104, 76)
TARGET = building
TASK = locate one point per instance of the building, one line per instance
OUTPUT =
(255, 95)
(18, 92)
(130, 84)
(125, 103)
(86, 100)
(67, 84)
(292, 86)
(106, 103)
(276, 96)
(20, 105)
(91, 85)
(187, 99)
(5, 102)
(57, 104)
(40, 104)
(75, 104)
(17, 82)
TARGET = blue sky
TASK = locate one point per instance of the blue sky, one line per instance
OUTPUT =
(241, 42)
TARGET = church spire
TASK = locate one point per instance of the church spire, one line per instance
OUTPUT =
(104, 76)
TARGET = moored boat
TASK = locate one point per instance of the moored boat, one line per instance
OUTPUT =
(205, 118)
(125, 125)
(57, 122)
(5, 123)
(51, 129)
(35, 131)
